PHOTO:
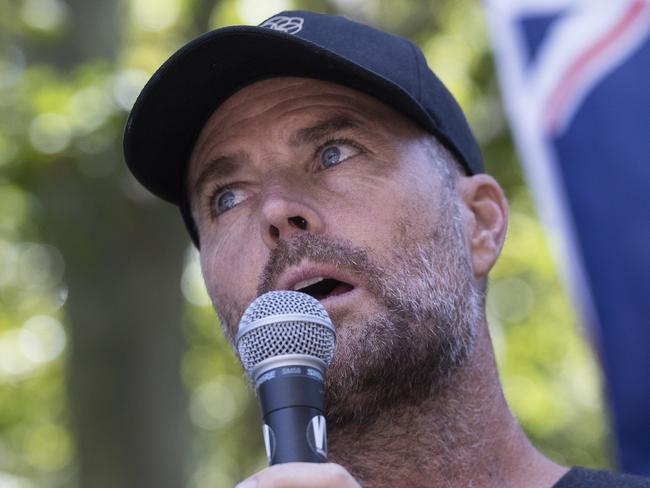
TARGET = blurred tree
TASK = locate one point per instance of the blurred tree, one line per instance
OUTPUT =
(126, 397)
(122, 258)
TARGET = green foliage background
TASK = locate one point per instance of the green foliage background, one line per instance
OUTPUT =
(69, 73)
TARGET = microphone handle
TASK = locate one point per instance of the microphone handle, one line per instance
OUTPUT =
(292, 405)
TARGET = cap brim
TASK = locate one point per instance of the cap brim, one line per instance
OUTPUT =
(175, 104)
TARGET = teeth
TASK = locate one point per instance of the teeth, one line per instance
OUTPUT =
(305, 283)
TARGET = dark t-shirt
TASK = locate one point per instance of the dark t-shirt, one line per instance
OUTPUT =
(587, 478)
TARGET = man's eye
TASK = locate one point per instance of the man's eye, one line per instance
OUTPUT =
(226, 199)
(335, 153)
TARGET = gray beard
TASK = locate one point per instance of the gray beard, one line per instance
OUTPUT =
(410, 351)
(427, 329)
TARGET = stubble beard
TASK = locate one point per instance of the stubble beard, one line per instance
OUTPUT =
(425, 330)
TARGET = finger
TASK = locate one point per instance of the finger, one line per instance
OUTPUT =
(301, 475)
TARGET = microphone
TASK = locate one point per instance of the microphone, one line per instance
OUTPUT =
(285, 342)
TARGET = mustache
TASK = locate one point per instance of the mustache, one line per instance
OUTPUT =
(322, 250)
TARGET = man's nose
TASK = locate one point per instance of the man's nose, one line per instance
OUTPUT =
(286, 214)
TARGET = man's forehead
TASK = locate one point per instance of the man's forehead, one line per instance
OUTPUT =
(286, 95)
(301, 108)
(266, 90)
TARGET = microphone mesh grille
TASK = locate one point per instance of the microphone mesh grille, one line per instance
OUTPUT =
(284, 337)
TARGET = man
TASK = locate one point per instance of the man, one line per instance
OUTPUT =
(317, 154)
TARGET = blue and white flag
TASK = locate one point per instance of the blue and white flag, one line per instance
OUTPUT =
(575, 77)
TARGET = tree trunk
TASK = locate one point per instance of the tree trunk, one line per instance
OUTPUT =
(124, 308)
(123, 265)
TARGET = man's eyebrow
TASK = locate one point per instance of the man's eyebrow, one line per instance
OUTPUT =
(325, 127)
(222, 166)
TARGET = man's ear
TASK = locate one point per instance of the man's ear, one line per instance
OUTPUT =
(486, 220)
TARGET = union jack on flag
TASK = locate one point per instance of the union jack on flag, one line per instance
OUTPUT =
(575, 78)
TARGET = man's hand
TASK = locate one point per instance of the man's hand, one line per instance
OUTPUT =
(301, 475)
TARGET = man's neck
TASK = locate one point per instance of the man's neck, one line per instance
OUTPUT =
(465, 436)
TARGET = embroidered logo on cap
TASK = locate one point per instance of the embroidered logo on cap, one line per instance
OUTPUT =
(290, 25)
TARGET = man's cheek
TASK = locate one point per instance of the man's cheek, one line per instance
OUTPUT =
(228, 308)
(231, 293)
(229, 267)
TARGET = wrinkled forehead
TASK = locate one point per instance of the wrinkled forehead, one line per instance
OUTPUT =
(278, 96)
(284, 103)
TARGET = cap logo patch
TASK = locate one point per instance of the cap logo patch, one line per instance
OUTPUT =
(290, 25)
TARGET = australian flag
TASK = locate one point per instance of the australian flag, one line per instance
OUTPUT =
(575, 78)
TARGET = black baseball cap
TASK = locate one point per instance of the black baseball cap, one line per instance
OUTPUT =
(175, 104)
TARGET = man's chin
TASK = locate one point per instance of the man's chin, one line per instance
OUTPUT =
(359, 383)
(388, 362)
(354, 312)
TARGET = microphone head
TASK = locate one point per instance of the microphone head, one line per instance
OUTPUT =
(284, 323)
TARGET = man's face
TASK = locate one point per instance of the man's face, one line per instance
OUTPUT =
(304, 184)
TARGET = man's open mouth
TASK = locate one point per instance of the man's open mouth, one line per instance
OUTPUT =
(321, 287)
